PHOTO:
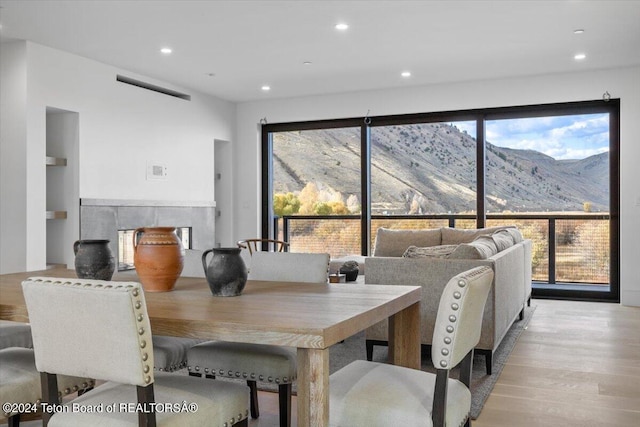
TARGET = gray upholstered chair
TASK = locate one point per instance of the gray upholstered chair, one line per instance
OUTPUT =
(20, 383)
(369, 394)
(170, 353)
(256, 362)
(111, 331)
(15, 334)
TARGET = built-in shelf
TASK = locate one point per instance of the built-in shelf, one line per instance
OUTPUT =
(55, 161)
(56, 214)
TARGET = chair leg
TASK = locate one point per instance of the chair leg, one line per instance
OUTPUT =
(521, 315)
(253, 399)
(284, 400)
(369, 344)
(14, 421)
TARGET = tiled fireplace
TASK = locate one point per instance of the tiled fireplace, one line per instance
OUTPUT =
(104, 218)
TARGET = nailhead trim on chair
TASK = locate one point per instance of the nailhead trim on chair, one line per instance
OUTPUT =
(134, 290)
(237, 374)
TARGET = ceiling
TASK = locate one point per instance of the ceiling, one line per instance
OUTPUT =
(230, 49)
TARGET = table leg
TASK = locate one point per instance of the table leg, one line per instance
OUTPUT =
(404, 337)
(313, 387)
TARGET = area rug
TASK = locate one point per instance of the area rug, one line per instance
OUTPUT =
(353, 348)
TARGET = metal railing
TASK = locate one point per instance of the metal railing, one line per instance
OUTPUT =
(567, 248)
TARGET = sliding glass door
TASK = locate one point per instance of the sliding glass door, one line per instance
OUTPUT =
(552, 170)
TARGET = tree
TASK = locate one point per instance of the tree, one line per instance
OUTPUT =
(285, 204)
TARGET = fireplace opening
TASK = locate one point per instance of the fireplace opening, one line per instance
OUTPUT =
(125, 246)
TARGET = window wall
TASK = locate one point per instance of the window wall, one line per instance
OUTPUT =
(550, 169)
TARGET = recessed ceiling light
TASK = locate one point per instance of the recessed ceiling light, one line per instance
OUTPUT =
(406, 74)
(578, 31)
(266, 88)
(166, 50)
(307, 63)
(342, 26)
(579, 56)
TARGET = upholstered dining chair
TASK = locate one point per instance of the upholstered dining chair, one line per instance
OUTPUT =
(111, 335)
(15, 334)
(20, 383)
(369, 394)
(256, 362)
(254, 245)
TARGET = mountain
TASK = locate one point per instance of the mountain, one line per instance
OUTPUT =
(431, 168)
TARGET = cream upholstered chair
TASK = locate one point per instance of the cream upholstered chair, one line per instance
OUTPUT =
(111, 332)
(20, 383)
(256, 362)
(370, 394)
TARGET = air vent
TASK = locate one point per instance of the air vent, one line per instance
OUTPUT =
(155, 88)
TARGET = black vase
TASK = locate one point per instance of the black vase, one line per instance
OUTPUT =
(351, 274)
(94, 259)
(226, 272)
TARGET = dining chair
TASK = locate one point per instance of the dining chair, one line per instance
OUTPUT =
(20, 384)
(377, 394)
(15, 334)
(254, 245)
(257, 362)
(108, 338)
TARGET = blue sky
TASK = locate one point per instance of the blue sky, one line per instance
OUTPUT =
(561, 137)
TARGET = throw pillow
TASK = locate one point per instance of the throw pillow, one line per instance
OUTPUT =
(429, 251)
(454, 236)
(502, 239)
(482, 247)
(393, 243)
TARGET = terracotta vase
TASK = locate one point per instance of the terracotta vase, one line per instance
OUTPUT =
(94, 259)
(226, 272)
(158, 256)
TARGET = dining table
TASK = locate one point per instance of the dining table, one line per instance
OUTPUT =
(310, 317)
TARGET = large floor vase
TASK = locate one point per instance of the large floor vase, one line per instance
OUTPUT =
(226, 272)
(158, 256)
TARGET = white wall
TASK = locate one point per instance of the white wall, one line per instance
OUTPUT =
(579, 86)
(13, 172)
(121, 128)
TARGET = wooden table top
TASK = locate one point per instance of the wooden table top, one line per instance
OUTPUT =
(302, 315)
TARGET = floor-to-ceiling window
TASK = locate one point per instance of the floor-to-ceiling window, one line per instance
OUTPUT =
(420, 169)
(550, 169)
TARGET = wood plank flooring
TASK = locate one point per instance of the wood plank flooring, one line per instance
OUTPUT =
(577, 364)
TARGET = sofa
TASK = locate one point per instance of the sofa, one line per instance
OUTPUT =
(429, 258)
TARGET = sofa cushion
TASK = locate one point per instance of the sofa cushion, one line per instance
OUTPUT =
(455, 236)
(503, 240)
(394, 243)
(515, 234)
(482, 247)
(429, 251)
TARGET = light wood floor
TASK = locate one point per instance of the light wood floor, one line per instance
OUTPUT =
(577, 364)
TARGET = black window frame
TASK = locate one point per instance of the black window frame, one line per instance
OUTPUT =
(480, 116)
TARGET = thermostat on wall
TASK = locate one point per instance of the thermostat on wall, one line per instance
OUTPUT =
(156, 171)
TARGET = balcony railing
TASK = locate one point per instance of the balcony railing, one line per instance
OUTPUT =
(567, 248)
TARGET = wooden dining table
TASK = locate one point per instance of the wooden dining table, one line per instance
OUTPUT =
(309, 317)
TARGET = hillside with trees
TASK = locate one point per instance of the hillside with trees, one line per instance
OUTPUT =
(428, 168)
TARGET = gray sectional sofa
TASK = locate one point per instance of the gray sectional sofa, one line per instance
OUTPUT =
(429, 258)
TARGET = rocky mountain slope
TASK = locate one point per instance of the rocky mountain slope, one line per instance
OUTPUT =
(430, 168)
